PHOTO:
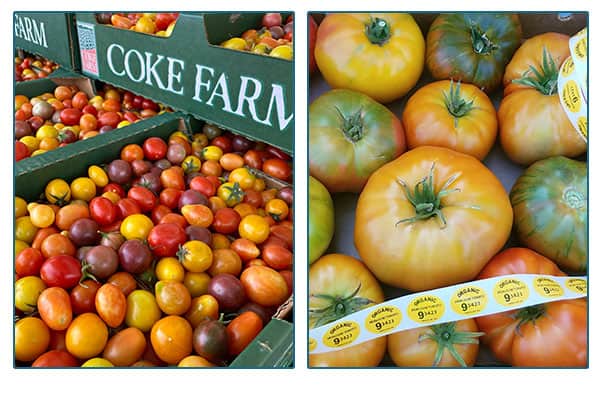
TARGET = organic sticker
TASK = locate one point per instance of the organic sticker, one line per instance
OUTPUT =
(568, 67)
(570, 95)
(510, 292)
(383, 319)
(427, 308)
(468, 300)
(547, 287)
(341, 334)
(582, 126)
(581, 48)
(312, 344)
(577, 285)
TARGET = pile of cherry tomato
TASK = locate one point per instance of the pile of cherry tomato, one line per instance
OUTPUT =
(274, 38)
(53, 120)
(177, 254)
(30, 67)
(159, 24)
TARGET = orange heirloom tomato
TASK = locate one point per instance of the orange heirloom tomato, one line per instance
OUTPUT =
(242, 330)
(348, 286)
(54, 307)
(535, 336)
(380, 55)
(264, 286)
(459, 116)
(111, 304)
(172, 297)
(438, 194)
(533, 124)
(255, 228)
(171, 339)
(86, 336)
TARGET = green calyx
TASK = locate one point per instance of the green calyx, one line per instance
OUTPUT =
(352, 125)
(338, 307)
(446, 336)
(455, 104)
(529, 314)
(481, 43)
(425, 200)
(544, 80)
(378, 31)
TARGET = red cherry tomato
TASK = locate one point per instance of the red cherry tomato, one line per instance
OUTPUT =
(144, 198)
(154, 148)
(103, 211)
(62, 270)
(165, 239)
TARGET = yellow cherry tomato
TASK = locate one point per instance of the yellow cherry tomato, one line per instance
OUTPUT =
(142, 310)
(27, 291)
(20, 246)
(97, 362)
(24, 229)
(169, 269)
(212, 153)
(195, 256)
(243, 176)
(42, 215)
(196, 282)
(98, 175)
(254, 228)
(83, 188)
(20, 207)
(202, 308)
(261, 48)
(31, 142)
(235, 43)
(145, 25)
(123, 123)
(191, 164)
(58, 192)
(112, 196)
(45, 131)
(231, 193)
(38, 152)
(136, 226)
(32, 338)
(284, 51)
(278, 209)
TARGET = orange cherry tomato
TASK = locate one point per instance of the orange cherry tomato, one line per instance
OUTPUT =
(54, 307)
(111, 304)
(242, 330)
(264, 285)
(171, 339)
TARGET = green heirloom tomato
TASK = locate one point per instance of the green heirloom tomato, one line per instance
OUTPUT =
(350, 136)
(472, 47)
(321, 222)
(550, 208)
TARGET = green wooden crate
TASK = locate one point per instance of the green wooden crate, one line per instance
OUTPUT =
(60, 76)
(272, 348)
(49, 34)
(249, 94)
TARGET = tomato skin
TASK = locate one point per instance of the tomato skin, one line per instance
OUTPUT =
(202, 308)
(264, 286)
(539, 342)
(277, 168)
(27, 292)
(451, 47)
(533, 125)
(165, 239)
(225, 261)
(57, 244)
(210, 340)
(55, 359)
(246, 249)
(172, 297)
(340, 275)
(348, 168)
(321, 219)
(62, 270)
(54, 306)
(127, 207)
(170, 197)
(197, 215)
(254, 227)
(172, 178)
(473, 133)
(384, 72)
(203, 185)
(111, 304)
(383, 242)
(549, 203)
(86, 336)
(277, 257)
(142, 310)
(242, 330)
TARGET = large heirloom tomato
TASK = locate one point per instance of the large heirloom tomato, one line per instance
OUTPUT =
(350, 136)
(533, 124)
(321, 219)
(381, 55)
(472, 47)
(453, 344)
(339, 285)
(458, 116)
(546, 335)
(433, 217)
(550, 206)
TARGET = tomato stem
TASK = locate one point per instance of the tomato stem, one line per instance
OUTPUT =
(481, 43)
(352, 125)
(424, 199)
(544, 80)
(446, 336)
(86, 274)
(339, 307)
(529, 314)
(378, 31)
(456, 105)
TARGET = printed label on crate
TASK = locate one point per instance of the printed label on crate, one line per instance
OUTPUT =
(572, 84)
(87, 48)
(448, 304)
(30, 30)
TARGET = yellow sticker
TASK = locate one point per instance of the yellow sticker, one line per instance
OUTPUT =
(577, 285)
(427, 308)
(568, 67)
(341, 334)
(312, 344)
(570, 96)
(582, 126)
(468, 300)
(581, 48)
(547, 287)
(383, 319)
(510, 292)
